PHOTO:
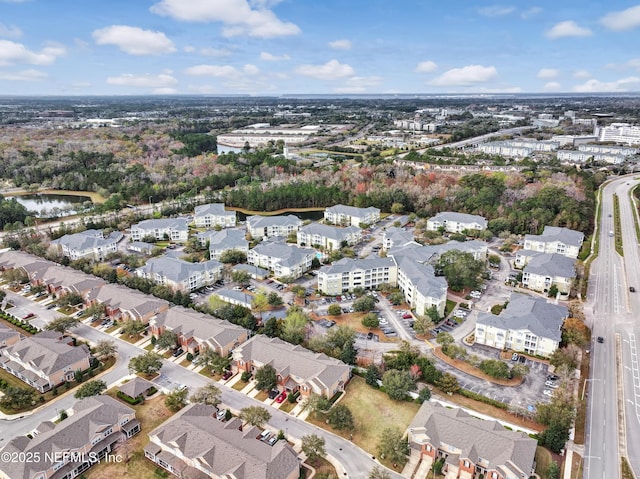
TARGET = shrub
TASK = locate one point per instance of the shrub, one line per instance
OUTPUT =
(189, 357)
(246, 376)
(129, 400)
(481, 398)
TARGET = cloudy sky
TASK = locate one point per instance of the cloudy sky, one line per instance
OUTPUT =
(77, 47)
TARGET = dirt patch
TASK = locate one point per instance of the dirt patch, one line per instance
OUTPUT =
(473, 371)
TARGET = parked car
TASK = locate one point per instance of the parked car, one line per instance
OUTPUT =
(79, 313)
(106, 322)
(548, 392)
(522, 359)
(632, 289)
(264, 435)
(221, 414)
(406, 316)
(272, 440)
(177, 352)
(600, 339)
(552, 377)
(282, 397)
(369, 335)
(273, 394)
(226, 375)
(28, 315)
(514, 357)
(552, 384)
(51, 306)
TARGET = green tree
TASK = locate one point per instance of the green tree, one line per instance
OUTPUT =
(105, 348)
(62, 324)
(519, 370)
(433, 314)
(495, 368)
(176, 399)
(212, 361)
(424, 394)
(448, 383)
(91, 388)
(422, 324)
(317, 404)
(266, 378)
(241, 277)
(460, 269)
(255, 415)
(313, 446)
(392, 445)
(396, 298)
(567, 357)
(209, 394)
(17, 398)
(70, 299)
(340, 417)
(378, 473)
(334, 310)
(260, 303)
(146, 363)
(553, 470)
(575, 332)
(364, 304)
(233, 257)
(167, 340)
(294, 326)
(372, 375)
(370, 320)
(133, 327)
(274, 299)
(553, 291)
(397, 384)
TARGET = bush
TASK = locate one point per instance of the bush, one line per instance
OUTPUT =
(246, 377)
(152, 390)
(189, 357)
(481, 398)
(293, 397)
(129, 400)
(161, 472)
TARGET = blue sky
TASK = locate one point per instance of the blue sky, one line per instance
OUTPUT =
(79, 47)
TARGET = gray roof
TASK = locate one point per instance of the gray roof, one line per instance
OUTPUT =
(141, 246)
(224, 239)
(288, 255)
(136, 387)
(529, 313)
(125, 299)
(254, 270)
(476, 438)
(556, 233)
(91, 416)
(554, 265)
(47, 352)
(459, 218)
(69, 278)
(346, 265)
(257, 221)
(178, 224)
(224, 449)
(215, 209)
(352, 210)
(316, 369)
(331, 232)
(89, 239)
(19, 259)
(7, 333)
(240, 296)
(177, 270)
(398, 236)
(413, 260)
(204, 328)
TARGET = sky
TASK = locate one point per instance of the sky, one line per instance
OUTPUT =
(273, 47)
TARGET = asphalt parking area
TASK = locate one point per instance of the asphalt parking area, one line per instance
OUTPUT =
(166, 383)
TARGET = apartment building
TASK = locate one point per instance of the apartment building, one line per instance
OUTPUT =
(453, 222)
(347, 274)
(172, 229)
(328, 237)
(90, 244)
(181, 275)
(543, 270)
(351, 216)
(221, 241)
(396, 237)
(212, 215)
(269, 226)
(555, 239)
(281, 259)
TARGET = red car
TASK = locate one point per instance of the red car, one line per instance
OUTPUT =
(227, 375)
(28, 315)
(282, 397)
(407, 316)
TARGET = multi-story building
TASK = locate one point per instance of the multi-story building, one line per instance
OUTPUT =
(611, 149)
(194, 444)
(45, 360)
(555, 239)
(351, 216)
(544, 270)
(528, 324)
(328, 237)
(574, 156)
(347, 274)
(67, 449)
(88, 244)
(268, 226)
(62, 280)
(620, 133)
(214, 214)
(281, 259)
(421, 288)
(396, 237)
(122, 303)
(172, 229)
(225, 240)
(8, 336)
(181, 275)
(453, 222)
(471, 447)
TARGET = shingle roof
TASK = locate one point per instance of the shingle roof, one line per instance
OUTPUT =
(554, 265)
(346, 265)
(398, 236)
(7, 333)
(529, 313)
(135, 387)
(216, 209)
(331, 232)
(352, 210)
(476, 438)
(125, 299)
(178, 270)
(266, 221)
(224, 239)
(259, 272)
(223, 448)
(19, 259)
(179, 224)
(89, 239)
(69, 278)
(556, 233)
(288, 255)
(459, 218)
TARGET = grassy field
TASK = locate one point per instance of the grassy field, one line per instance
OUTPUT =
(150, 414)
(543, 459)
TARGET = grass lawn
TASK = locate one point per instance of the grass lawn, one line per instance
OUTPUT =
(151, 414)
(449, 307)
(322, 466)
(149, 347)
(131, 339)
(373, 412)
(66, 310)
(239, 386)
(581, 411)
(354, 320)
(543, 459)
(626, 472)
(287, 406)
(469, 369)
(185, 362)
(262, 395)
(111, 329)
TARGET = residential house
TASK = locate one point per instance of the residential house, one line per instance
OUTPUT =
(527, 324)
(239, 298)
(88, 244)
(453, 222)
(123, 303)
(556, 240)
(268, 226)
(194, 444)
(67, 449)
(328, 237)
(172, 229)
(225, 240)
(62, 280)
(470, 446)
(350, 215)
(8, 336)
(347, 274)
(45, 360)
(181, 275)
(281, 259)
(136, 388)
(396, 237)
(26, 262)
(543, 270)
(297, 368)
(214, 214)
(197, 331)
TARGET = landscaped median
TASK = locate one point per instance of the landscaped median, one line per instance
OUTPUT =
(473, 371)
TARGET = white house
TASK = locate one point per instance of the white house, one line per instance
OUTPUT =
(328, 237)
(453, 222)
(280, 258)
(268, 226)
(173, 229)
(214, 214)
(347, 274)
(350, 215)
(88, 244)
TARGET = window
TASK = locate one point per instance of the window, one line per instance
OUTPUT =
(466, 463)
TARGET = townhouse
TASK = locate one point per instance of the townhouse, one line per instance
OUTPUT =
(197, 332)
(181, 275)
(122, 303)
(297, 368)
(61, 280)
(453, 222)
(172, 229)
(327, 237)
(222, 241)
(67, 449)
(45, 360)
(268, 226)
(470, 447)
(25, 262)
(555, 239)
(194, 444)
(90, 244)
(347, 274)
(214, 214)
(528, 324)
(542, 270)
(350, 215)
(281, 259)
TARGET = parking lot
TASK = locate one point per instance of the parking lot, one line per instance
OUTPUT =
(167, 384)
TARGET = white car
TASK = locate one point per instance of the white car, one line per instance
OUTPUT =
(383, 321)
(547, 392)
(552, 384)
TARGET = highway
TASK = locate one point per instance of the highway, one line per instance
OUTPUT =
(609, 309)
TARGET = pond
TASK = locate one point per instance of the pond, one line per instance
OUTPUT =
(52, 205)
(304, 216)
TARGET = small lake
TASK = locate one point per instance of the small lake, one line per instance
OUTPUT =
(304, 216)
(47, 205)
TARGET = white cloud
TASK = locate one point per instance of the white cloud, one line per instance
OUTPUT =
(552, 86)
(331, 70)
(547, 73)
(426, 67)
(251, 69)
(269, 57)
(10, 31)
(357, 84)
(466, 76)
(222, 71)
(24, 75)
(189, 49)
(496, 11)
(164, 91)
(531, 12)
(147, 80)
(215, 52)
(342, 44)
(134, 40)
(12, 53)
(581, 74)
(596, 86)
(568, 28)
(623, 20)
(239, 16)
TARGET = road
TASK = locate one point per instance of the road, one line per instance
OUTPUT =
(609, 308)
